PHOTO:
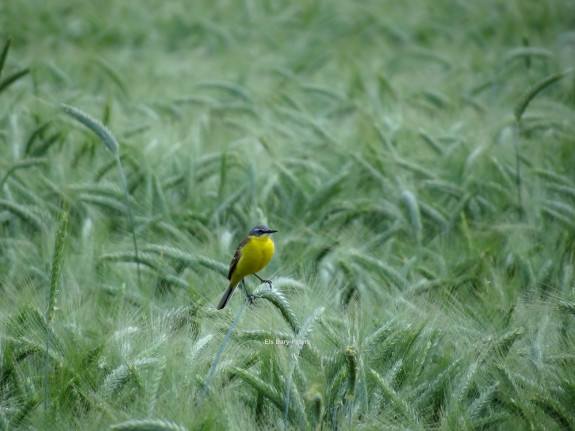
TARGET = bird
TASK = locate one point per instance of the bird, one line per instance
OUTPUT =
(252, 255)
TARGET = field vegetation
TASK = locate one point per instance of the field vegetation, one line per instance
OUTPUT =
(417, 159)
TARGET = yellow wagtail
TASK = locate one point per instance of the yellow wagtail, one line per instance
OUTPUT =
(252, 255)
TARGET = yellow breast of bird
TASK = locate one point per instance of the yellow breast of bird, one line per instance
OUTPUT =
(256, 254)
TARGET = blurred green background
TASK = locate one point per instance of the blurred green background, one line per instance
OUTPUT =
(416, 158)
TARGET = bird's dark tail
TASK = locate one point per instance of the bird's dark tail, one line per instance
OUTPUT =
(226, 297)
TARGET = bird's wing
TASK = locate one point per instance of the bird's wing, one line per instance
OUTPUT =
(237, 256)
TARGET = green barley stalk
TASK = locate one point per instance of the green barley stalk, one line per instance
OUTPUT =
(554, 411)
(351, 360)
(118, 378)
(400, 404)
(4, 54)
(57, 264)
(518, 167)
(186, 258)
(410, 201)
(215, 364)
(295, 350)
(23, 412)
(37, 133)
(24, 213)
(262, 387)
(520, 108)
(153, 384)
(148, 425)
(6, 82)
(279, 301)
(566, 307)
(22, 164)
(531, 92)
(110, 141)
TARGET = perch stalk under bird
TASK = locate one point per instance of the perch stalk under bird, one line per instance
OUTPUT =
(252, 255)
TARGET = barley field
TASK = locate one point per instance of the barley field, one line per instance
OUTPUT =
(416, 158)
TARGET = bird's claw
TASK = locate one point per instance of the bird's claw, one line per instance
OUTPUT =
(269, 282)
(251, 299)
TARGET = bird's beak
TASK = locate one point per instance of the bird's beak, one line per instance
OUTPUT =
(271, 231)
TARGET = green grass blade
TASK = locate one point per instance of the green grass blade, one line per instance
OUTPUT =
(526, 98)
(230, 88)
(400, 404)
(130, 214)
(24, 412)
(3, 422)
(8, 81)
(554, 411)
(410, 202)
(566, 307)
(4, 54)
(518, 169)
(147, 425)
(22, 164)
(528, 53)
(24, 213)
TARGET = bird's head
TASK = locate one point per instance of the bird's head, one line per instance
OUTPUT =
(261, 230)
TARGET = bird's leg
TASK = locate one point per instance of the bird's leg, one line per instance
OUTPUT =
(250, 297)
(269, 282)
